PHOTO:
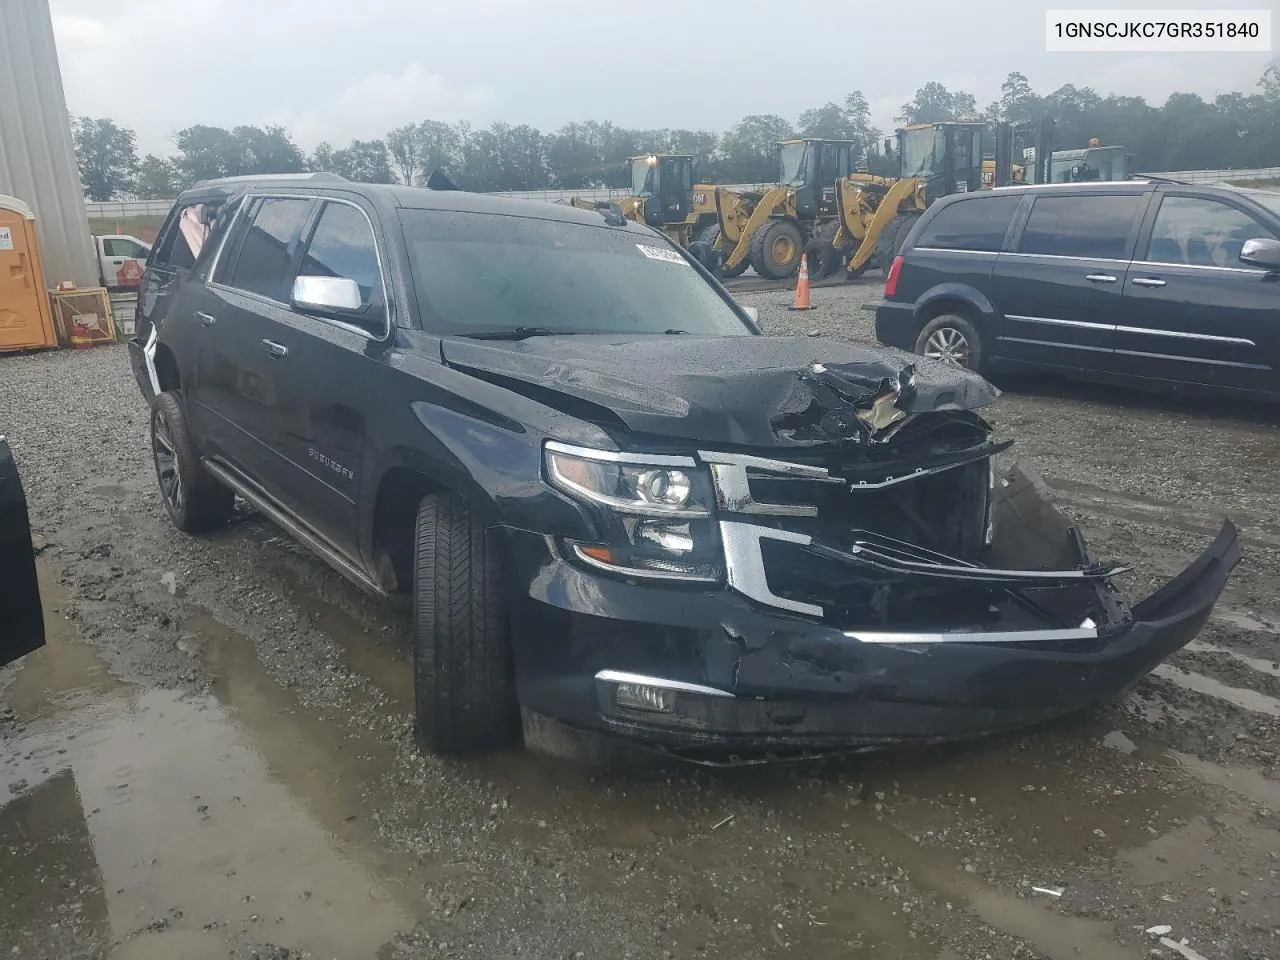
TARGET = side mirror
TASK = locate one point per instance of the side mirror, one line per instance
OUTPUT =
(1261, 252)
(753, 313)
(329, 294)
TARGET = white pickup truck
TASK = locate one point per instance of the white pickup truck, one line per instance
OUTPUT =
(120, 260)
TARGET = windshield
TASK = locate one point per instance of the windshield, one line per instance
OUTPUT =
(642, 177)
(791, 163)
(486, 273)
(918, 150)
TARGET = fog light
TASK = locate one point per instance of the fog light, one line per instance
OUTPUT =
(641, 696)
(672, 537)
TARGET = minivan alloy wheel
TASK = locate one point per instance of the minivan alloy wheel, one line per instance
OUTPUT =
(949, 344)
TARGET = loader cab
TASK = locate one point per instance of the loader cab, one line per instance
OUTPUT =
(811, 167)
(664, 184)
(1089, 164)
(947, 156)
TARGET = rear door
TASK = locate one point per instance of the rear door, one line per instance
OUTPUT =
(20, 610)
(180, 243)
(237, 405)
(1057, 293)
(1192, 311)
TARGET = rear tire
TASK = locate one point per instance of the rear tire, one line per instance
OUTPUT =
(464, 687)
(194, 500)
(710, 234)
(776, 248)
(823, 259)
(953, 339)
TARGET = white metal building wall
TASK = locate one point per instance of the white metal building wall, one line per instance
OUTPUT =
(37, 156)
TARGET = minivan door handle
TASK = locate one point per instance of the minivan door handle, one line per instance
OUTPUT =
(1147, 282)
(1100, 278)
(275, 349)
(206, 319)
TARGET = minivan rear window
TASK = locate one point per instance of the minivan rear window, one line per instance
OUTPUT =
(979, 223)
(479, 274)
(1095, 226)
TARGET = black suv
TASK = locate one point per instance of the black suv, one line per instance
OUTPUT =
(1148, 281)
(615, 506)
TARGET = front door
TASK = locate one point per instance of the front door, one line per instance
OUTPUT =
(323, 380)
(1057, 294)
(1192, 311)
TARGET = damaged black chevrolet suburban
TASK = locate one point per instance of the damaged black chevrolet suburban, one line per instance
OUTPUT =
(614, 506)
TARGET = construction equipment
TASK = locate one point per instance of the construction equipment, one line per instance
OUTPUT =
(664, 196)
(1094, 162)
(770, 229)
(935, 160)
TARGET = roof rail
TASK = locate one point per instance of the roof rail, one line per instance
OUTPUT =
(322, 176)
(1158, 178)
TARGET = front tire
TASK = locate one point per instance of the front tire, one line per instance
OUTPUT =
(776, 248)
(464, 687)
(194, 500)
(710, 235)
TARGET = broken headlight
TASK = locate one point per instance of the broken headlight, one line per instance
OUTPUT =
(655, 511)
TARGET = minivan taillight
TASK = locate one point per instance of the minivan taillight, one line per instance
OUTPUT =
(891, 281)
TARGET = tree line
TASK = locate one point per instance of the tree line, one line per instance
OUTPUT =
(1187, 132)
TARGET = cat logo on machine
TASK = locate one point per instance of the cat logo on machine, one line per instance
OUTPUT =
(699, 198)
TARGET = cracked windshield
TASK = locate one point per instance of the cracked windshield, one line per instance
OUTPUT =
(463, 502)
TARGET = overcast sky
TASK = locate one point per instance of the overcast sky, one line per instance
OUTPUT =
(336, 69)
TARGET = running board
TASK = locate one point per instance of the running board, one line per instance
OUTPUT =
(312, 541)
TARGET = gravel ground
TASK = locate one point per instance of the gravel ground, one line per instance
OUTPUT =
(213, 757)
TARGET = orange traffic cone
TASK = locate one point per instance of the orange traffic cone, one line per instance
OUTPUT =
(802, 286)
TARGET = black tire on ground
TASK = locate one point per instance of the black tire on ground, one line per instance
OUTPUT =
(775, 249)
(953, 338)
(823, 258)
(705, 255)
(194, 500)
(464, 689)
(708, 233)
(891, 239)
(711, 234)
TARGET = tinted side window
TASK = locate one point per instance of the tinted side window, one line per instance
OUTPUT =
(184, 238)
(267, 250)
(977, 224)
(343, 246)
(1203, 233)
(1095, 226)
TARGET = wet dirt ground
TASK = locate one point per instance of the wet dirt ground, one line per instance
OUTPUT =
(213, 755)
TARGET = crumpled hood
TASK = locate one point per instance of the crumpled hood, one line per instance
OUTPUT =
(756, 391)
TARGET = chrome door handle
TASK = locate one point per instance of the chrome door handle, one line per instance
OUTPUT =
(275, 349)
(206, 319)
(1148, 282)
(1100, 277)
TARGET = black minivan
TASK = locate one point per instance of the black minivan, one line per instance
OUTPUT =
(1149, 281)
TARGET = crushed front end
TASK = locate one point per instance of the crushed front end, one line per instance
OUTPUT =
(872, 579)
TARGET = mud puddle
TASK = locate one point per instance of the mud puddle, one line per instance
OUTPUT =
(140, 823)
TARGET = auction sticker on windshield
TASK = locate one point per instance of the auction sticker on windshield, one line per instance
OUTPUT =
(6, 239)
(658, 253)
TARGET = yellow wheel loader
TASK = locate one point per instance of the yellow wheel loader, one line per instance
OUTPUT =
(768, 230)
(663, 195)
(935, 160)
